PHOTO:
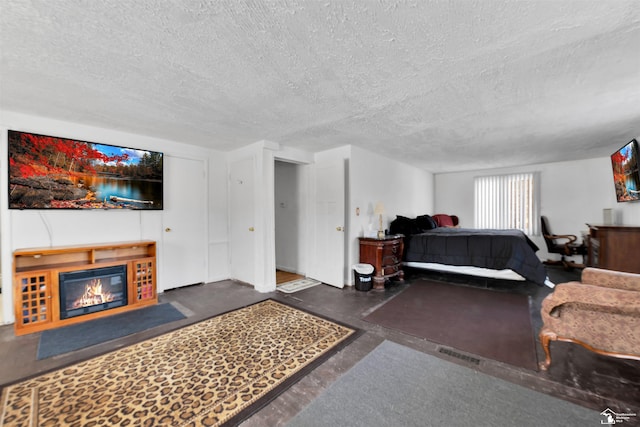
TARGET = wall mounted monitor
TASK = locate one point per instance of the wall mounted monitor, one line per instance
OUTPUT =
(626, 172)
(49, 172)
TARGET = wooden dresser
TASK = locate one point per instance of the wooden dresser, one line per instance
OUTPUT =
(614, 247)
(386, 257)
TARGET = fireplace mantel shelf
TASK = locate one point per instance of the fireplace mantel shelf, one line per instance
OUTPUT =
(36, 273)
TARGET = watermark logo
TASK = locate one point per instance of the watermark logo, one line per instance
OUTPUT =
(610, 417)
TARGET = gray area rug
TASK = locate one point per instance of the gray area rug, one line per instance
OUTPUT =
(70, 338)
(398, 386)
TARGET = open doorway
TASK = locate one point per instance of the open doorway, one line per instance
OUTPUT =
(289, 222)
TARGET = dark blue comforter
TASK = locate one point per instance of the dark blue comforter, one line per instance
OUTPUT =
(495, 249)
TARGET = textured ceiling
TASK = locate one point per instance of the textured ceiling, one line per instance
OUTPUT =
(444, 85)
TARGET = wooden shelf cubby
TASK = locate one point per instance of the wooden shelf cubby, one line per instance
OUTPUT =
(36, 286)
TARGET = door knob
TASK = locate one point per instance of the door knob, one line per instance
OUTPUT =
(167, 229)
(251, 229)
(339, 229)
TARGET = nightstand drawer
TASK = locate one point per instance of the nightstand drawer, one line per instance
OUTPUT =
(390, 260)
(391, 250)
(391, 269)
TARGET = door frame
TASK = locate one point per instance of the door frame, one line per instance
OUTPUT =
(263, 204)
(302, 196)
(307, 161)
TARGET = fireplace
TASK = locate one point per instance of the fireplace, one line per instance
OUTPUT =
(87, 291)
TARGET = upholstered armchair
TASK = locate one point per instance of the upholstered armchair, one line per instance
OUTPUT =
(601, 313)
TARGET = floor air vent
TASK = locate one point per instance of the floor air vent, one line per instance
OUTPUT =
(453, 353)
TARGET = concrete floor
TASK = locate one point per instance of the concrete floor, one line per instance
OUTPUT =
(576, 375)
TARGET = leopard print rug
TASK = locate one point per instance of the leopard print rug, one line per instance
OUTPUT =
(204, 374)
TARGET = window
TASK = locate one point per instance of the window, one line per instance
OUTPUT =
(508, 201)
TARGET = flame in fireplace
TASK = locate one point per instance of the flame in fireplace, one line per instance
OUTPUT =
(93, 295)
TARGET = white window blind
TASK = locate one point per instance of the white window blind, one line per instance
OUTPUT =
(508, 201)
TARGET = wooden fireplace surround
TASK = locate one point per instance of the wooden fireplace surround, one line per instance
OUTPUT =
(36, 288)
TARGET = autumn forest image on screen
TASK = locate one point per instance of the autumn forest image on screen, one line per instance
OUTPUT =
(626, 172)
(47, 172)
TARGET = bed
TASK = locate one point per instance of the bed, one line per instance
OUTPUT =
(502, 254)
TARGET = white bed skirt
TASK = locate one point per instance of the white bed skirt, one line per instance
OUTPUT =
(506, 274)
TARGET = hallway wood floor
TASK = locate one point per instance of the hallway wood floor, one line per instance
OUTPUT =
(285, 276)
(576, 375)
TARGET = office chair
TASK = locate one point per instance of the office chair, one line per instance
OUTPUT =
(562, 244)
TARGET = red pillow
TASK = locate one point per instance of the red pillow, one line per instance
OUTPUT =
(443, 220)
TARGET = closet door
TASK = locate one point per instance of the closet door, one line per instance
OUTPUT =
(184, 242)
(242, 228)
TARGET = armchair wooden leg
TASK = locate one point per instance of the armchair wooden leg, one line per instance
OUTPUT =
(545, 337)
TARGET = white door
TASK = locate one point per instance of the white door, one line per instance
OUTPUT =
(242, 215)
(328, 224)
(184, 220)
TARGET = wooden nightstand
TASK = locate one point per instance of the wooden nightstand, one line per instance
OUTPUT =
(386, 257)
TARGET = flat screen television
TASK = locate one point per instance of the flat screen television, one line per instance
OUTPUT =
(48, 172)
(626, 172)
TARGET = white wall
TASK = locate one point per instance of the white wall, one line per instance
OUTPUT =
(572, 195)
(404, 190)
(44, 228)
